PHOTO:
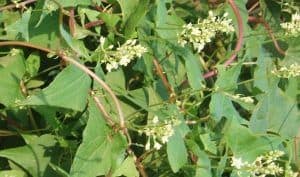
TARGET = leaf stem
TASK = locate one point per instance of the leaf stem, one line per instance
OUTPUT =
(17, 5)
(239, 43)
(30, 113)
(102, 109)
(93, 23)
(164, 79)
(81, 67)
(269, 30)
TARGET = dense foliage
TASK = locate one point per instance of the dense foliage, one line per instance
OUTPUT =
(149, 88)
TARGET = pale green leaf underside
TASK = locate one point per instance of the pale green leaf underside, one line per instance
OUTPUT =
(68, 90)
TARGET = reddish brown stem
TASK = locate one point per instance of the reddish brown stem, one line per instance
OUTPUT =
(253, 7)
(138, 164)
(239, 43)
(269, 30)
(17, 5)
(99, 8)
(141, 169)
(81, 67)
(163, 77)
(25, 44)
(72, 22)
(210, 74)
(102, 109)
(93, 23)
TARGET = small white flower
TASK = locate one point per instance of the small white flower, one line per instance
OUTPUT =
(109, 67)
(157, 145)
(240, 97)
(112, 65)
(124, 61)
(102, 41)
(237, 163)
(164, 139)
(147, 146)
(155, 120)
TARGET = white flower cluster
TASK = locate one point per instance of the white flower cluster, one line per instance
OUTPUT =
(240, 97)
(159, 132)
(201, 33)
(287, 72)
(292, 28)
(263, 165)
(246, 99)
(122, 56)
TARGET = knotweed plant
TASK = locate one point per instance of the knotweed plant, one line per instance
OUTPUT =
(262, 166)
(122, 55)
(177, 109)
(292, 28)
(204, 31)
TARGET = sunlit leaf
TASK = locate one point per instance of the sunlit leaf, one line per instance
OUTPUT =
(68, 90)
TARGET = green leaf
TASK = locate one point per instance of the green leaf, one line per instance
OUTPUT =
(12, 69)
(116, 79)
(20, 29)
(177, 153)
(76, 45)
(263, 78)
(73, 3)
(168, 24)
(35, 156)
(50, 36)
(128, 8)
(92, 15)
(34, 84)
(246, 145)
(127, 168)
(68, 90)
(110, 20)
(33, 64)
(221, 165)
(101, 151)
(135, 17)
(276, 112)
(203, 162)
(209, 145)
(227, 78)
(12, 173)
(193, 70)
(49, 114)
(221, 106)
(192, 65)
